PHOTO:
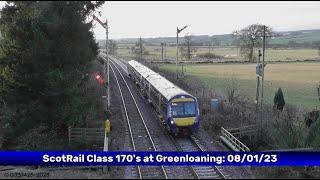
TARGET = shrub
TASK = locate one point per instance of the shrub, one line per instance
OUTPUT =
(209, 56)
(41, 138)
(279, 100)
(313, 138)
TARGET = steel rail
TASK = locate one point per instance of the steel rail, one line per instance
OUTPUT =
(143, 121)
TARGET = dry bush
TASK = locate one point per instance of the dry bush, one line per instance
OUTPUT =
(232, 87)
(279, 130)
(307, 172)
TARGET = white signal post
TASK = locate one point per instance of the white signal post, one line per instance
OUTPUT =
(107, 128)
(178, 31)
(105, 25)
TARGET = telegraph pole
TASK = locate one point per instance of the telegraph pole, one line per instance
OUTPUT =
(140, 46)
(162, 51)
(263, 52)
(263, 64)
(258, 80)
(165, 51)
(210, 45)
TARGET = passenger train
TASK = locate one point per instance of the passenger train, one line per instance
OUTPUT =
(178, 109)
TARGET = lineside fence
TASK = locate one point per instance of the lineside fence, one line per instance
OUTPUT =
(232, 142)
(88, 134)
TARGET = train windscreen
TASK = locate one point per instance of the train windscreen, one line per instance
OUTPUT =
(183, 109)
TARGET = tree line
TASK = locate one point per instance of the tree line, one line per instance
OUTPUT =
(246, 39)
(46, 48)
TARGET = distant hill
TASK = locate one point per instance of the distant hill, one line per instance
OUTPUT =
(300, 37)
(305, 38)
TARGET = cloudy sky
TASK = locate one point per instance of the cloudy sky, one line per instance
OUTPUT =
(159, 19)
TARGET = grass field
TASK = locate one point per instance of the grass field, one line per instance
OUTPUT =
(231, 53)
(297, 80)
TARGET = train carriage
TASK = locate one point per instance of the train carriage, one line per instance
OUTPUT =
(178, 109)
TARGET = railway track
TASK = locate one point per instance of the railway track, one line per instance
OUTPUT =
(182, 144)
(141, 139)
(201, 172)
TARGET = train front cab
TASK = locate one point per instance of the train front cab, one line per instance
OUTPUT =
(183, 114)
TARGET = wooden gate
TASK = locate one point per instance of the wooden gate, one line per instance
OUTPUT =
(89, 134)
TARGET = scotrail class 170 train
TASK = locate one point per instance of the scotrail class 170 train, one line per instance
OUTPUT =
(177, 108)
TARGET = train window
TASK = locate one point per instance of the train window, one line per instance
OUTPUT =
(183, 109)
(189, 108)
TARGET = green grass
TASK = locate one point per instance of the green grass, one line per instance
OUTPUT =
(232, 53)
(297, 80)
(301, 36)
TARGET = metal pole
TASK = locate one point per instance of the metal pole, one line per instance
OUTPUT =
(181, 61)
(106, 142)
(211, 46)
(140, 49)
(178, 31)
(177, 54)
(182, 69)
(263, 51)
(108, 64)
(165, 51)
(162, 52)
(105, 149)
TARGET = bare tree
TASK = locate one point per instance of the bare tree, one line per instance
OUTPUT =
(187, 48)
(188, 44)
(113, 47)
(216, 42)
(138, 50)
(249, 37)
(231, 86)
(213, 42)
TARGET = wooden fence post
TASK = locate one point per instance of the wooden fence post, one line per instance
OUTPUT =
(69, 133)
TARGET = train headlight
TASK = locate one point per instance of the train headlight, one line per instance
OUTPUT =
(172, 122)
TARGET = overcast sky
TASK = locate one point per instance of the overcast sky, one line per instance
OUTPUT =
(159, 19)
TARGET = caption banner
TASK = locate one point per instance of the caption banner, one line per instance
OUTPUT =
(72, 158)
